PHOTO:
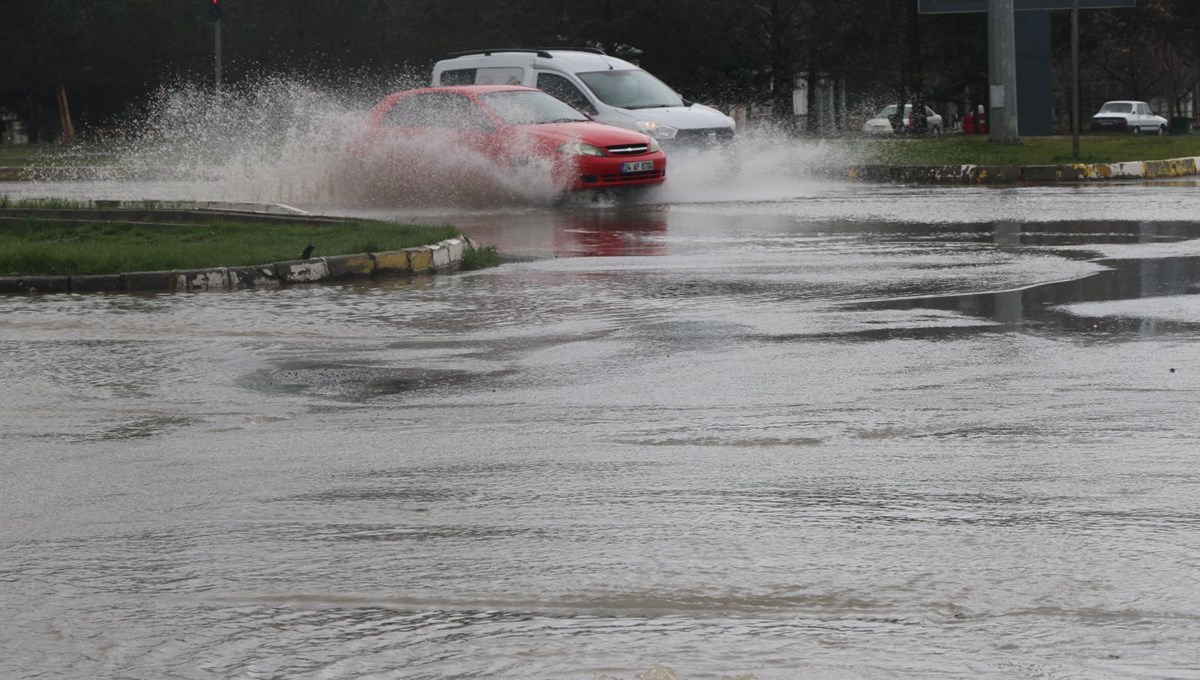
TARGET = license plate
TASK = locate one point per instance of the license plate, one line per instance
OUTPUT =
(637, 166)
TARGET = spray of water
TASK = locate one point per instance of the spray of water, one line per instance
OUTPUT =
(270, 139)
(444, 165)
(766, 164)
(276, 139)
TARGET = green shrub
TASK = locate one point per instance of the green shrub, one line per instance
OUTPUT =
(480, 258)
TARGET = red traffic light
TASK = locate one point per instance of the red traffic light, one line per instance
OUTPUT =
(214, 10)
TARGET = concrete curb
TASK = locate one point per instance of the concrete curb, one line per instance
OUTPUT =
(241, 208)
(78, 173)
(440, 257)
(1032, 174)
(10, 173)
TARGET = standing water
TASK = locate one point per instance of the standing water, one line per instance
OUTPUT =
(811, 436)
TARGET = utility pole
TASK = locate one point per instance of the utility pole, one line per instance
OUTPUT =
(1075, 79)
(214, 13)
(1002, 73)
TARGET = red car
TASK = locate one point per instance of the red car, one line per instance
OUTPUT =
(447, 139)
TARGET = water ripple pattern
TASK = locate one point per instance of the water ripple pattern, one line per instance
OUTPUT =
(758, 443)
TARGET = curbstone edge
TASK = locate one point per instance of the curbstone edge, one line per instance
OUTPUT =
(418, 260)
(1041, 174)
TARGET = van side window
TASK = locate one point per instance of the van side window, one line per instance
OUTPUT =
(499, 75)
(563, 89)
(461, 76)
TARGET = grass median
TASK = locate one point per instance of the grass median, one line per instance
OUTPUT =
(964, 149)
(943, 149)
(45, 246)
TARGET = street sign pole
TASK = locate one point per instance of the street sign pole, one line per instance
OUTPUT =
(1002, 73)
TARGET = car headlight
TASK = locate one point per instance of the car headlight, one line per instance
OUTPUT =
(657, 130)
(654, 145)
(580, 149)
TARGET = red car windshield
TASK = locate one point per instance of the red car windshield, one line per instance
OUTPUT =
(525, 107)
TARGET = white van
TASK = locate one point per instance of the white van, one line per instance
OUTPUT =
(608, 89)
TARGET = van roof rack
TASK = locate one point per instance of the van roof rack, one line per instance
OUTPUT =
(543, 52)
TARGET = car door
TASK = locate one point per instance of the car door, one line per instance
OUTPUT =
(1149, 120)
(1138, 119)
(438, 131)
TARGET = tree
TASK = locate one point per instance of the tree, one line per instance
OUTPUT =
(779, 35)
(1144, 53)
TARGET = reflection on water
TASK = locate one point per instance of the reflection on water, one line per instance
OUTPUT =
(1084, 233)
(1045, 308)
(605, 229)
(596, 233)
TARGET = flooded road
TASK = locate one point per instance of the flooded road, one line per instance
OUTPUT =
(837, 431)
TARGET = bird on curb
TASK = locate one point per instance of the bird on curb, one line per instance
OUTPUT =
(307, 252)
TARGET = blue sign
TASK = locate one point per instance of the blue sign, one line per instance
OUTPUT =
(954, 6)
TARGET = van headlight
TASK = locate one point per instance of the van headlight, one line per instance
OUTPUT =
(580, 149)
(657, 130)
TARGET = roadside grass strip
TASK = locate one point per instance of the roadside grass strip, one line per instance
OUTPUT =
(68, 249)
(65, 248)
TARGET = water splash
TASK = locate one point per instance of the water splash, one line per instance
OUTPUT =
(270, 139)
(279, 139)
(436, 169)
(766, 165)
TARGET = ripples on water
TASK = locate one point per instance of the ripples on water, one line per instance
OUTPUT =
(589, 468)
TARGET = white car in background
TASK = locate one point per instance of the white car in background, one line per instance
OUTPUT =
(607, 89)
(1128, 116)
(880, 125)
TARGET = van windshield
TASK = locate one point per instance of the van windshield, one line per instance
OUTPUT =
(630, 89)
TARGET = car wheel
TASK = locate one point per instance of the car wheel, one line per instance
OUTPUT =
(1135, 129)
(935, 130)
(1162, 130)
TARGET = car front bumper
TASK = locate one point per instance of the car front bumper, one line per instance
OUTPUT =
(607, 172)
